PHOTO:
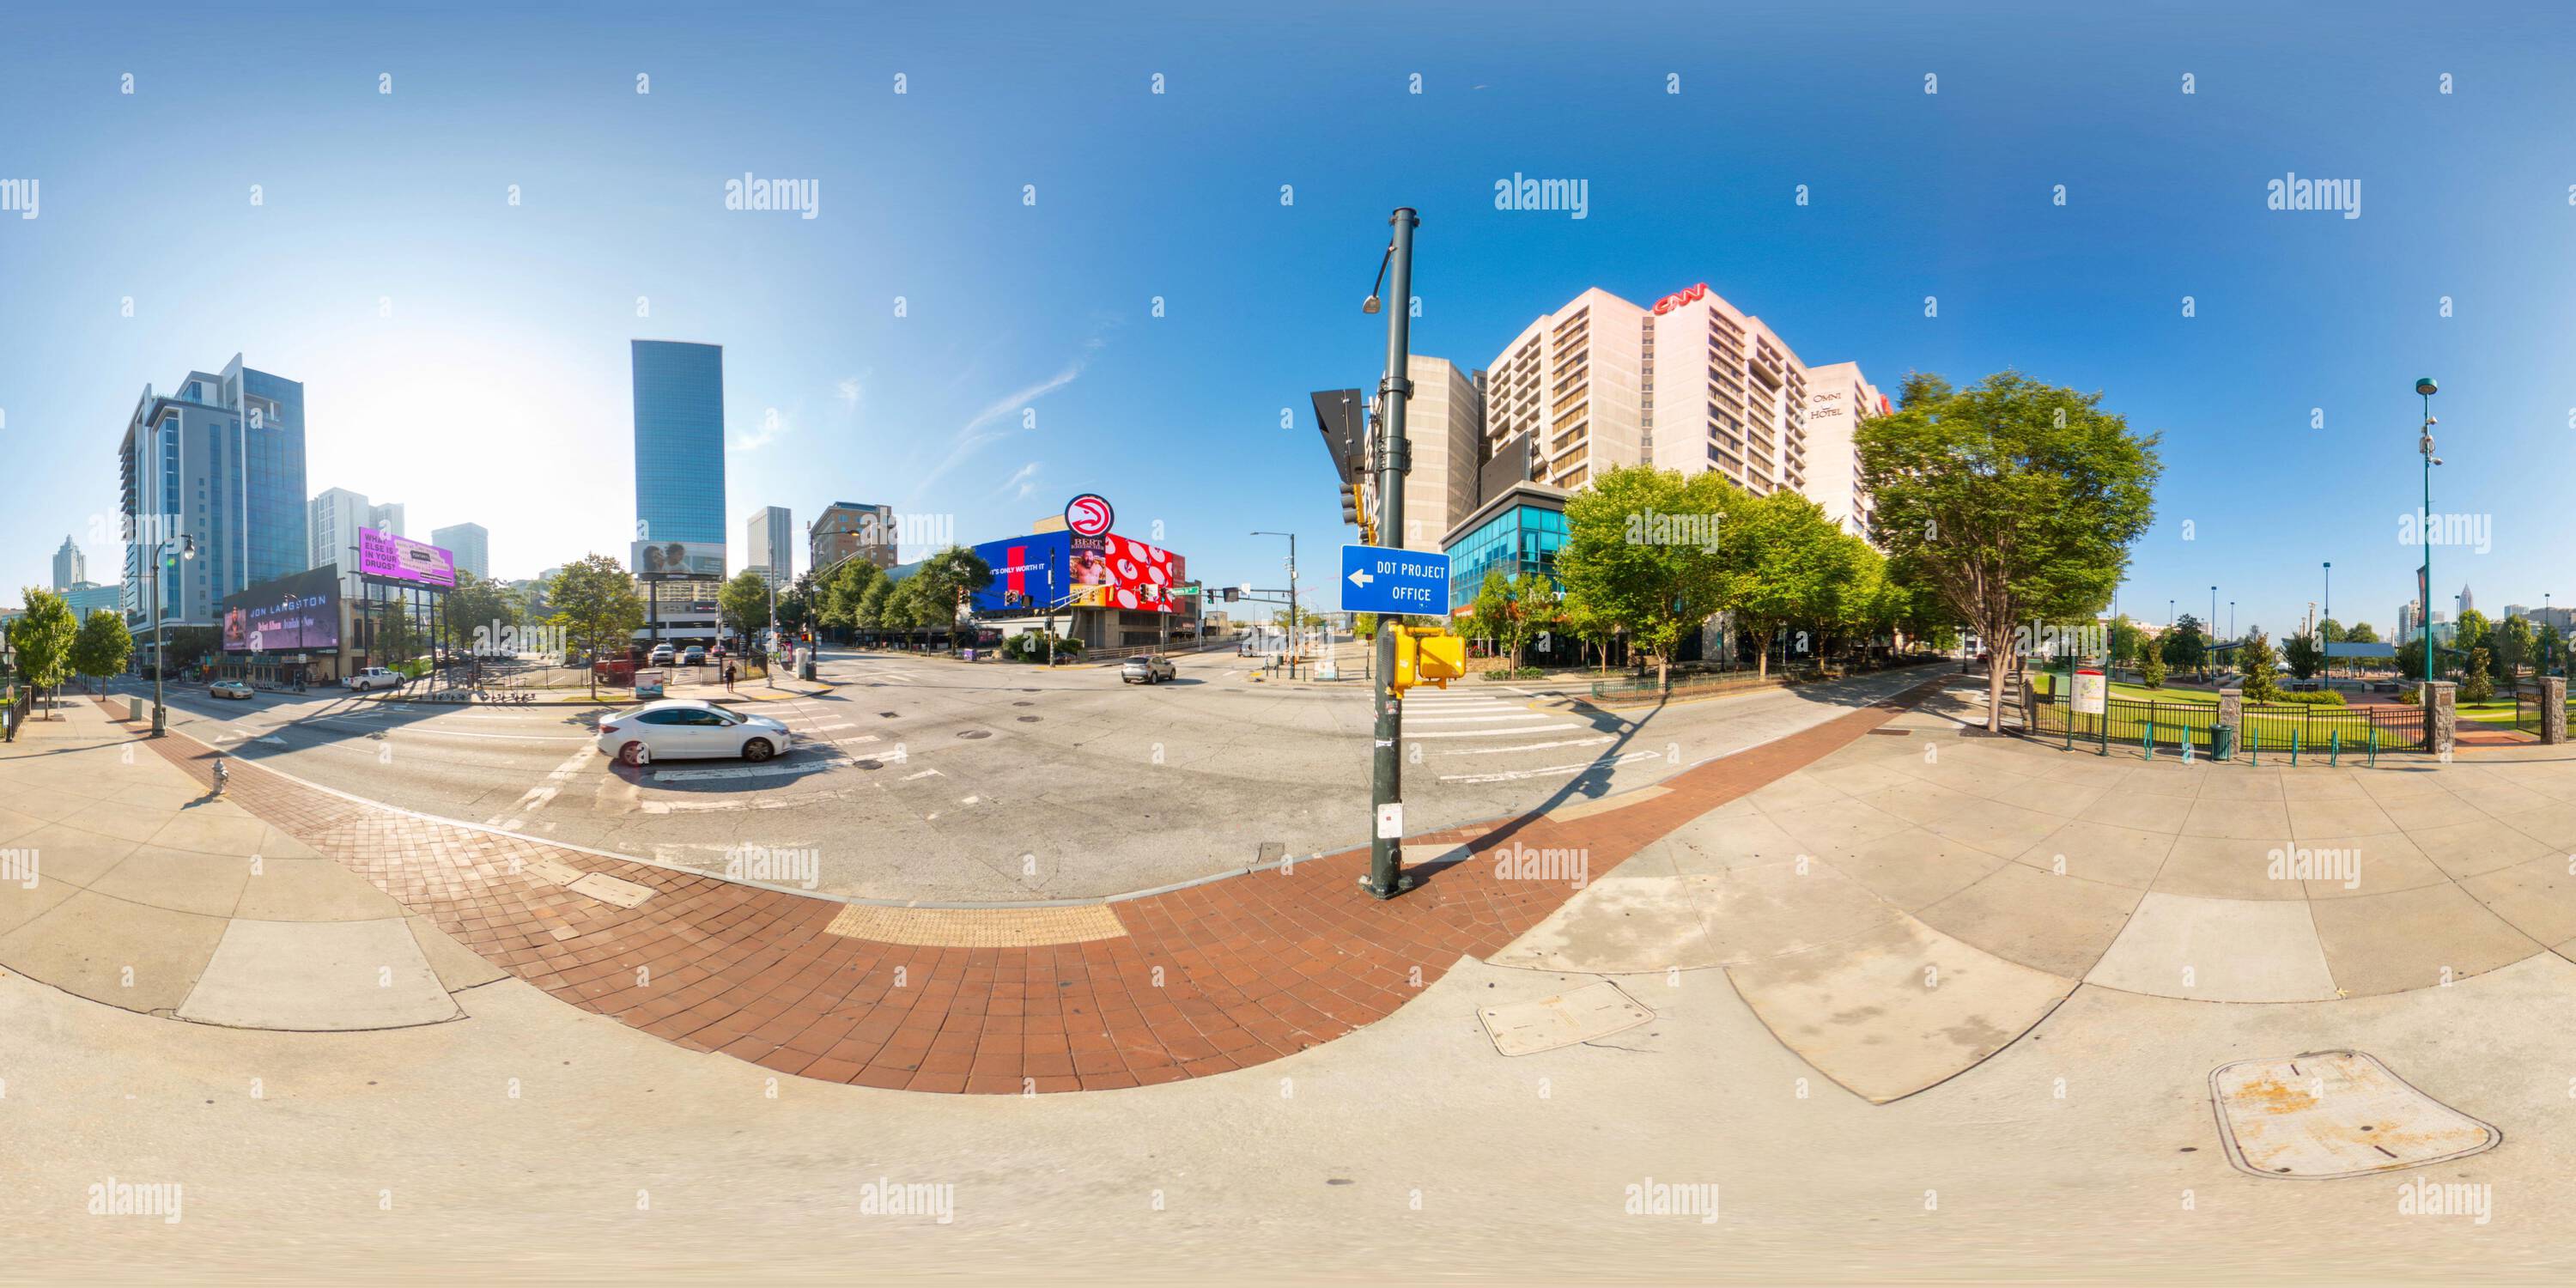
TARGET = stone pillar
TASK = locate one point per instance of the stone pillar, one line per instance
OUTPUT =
(2231, 716)
(2441, 715)
(2553, 708)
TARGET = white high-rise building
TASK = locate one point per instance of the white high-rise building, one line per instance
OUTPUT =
(1839, 398)
(1692, 384)
(469, 544)
(771, 539)
(71, 568)
(1444, 425)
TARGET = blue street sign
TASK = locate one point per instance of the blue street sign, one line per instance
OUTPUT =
(1376, 579)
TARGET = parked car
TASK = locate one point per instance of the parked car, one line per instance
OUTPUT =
(694, 655)
(661, 655)
(374, 677)
(228, 689)
(1146, 670)
(690, 729)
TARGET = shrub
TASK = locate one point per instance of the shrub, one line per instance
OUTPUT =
(2313, 698)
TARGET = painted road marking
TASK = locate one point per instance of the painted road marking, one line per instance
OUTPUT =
(1517, 715)
(927, 773)
(742, 771)
(1495, 733)
(1529, 746)
(1553, 770)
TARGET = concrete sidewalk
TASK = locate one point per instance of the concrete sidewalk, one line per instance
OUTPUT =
(1192, 982)
(129, 884)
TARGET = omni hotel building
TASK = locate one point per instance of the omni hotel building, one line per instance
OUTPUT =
(1691, 384)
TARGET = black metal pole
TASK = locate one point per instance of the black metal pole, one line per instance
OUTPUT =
(1386, 878)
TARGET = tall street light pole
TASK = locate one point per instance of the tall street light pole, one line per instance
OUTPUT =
(1292, 595)
(1385, 878)
(2329, 616)
(186, 548)
(2425, 386)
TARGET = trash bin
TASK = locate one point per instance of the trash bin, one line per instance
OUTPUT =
(2222, 742)
(133, 708)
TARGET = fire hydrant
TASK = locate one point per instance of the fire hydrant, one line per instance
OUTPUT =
(223, 775)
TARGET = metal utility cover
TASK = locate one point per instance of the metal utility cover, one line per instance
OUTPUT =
(1593, 1011)
(2322, 1115)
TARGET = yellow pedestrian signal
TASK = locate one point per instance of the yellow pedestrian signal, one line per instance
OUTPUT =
(1427, 655)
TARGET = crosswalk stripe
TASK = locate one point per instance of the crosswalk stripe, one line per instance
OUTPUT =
(1530, 746)
(1551, 770)
(1517, 715)
(1493, 733)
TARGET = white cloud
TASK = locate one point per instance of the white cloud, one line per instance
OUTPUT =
(1000, 419)
(772, 425)
(1024, 479)
(848, 391)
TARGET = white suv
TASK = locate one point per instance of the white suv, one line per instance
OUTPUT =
(374, 677)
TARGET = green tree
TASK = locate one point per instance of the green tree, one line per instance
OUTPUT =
(2548, 651)
(2256, 660)
(1590, 625)
(43, 637)
(2125, 639)
(947, 579)
(1536, 608)
(2360, 633)
(2410, 658)
(479, 613)
(596, 605)
(103, 645)
(185, 646)
(796, 603)
(2304, 655)
(744, 602)
(1785, 563)
(2151, 669)
(846, 590)
(2477, 683)
(870, 613)
(2471, 633)
(1489, 613)
(1623, 564)
(399, 637)
(2514, 645)
(2013, 500)
(2186, 646)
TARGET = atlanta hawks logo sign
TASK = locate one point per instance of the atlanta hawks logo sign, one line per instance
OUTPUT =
(1088, 515)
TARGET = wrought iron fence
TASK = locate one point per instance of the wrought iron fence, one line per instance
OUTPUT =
(2284, 727)
(2263, 728)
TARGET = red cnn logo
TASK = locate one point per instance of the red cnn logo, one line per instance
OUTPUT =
(1680, 298)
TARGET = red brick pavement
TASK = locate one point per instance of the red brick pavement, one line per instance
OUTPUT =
(1212, 978)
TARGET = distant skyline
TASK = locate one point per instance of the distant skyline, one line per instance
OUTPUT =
(1029, 274)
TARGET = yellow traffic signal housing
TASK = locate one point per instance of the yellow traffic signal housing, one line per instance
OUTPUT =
(1427, 655)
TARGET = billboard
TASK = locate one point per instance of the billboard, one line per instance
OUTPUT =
(677, 559)
(1106, 571)
(382, 554)
(297, 614)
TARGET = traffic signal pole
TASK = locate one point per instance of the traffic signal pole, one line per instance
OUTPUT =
(1386, 878)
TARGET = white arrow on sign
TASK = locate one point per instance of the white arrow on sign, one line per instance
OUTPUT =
(1360, 578)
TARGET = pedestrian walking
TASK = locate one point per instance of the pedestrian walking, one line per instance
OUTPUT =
(728, 674)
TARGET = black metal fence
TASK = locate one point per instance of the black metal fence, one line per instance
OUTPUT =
(2265, 728)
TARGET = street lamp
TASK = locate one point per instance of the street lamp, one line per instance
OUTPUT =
(1292, 590)
(2423, 522)
(186, 546)
(2321, 623)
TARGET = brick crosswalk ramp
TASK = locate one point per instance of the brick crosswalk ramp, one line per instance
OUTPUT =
(1189, 983)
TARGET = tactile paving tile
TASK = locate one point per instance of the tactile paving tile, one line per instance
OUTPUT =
(978, 927)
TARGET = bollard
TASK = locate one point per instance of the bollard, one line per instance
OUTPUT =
(2294, 749)
(2254, 748)
(2334, 747)
(2371, 740)
(2151, 739)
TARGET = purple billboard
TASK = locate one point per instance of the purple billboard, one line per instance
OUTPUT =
(382, 554)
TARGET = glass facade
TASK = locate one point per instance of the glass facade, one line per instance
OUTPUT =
(266, 471)
(679, 442)
(1523, 538)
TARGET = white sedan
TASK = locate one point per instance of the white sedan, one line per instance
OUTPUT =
(689, 729)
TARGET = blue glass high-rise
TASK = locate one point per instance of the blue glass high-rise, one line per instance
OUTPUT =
(679, 443)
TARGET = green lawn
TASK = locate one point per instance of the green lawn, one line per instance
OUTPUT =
(2140, 693)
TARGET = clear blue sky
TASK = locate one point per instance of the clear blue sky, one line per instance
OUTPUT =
(496, 389)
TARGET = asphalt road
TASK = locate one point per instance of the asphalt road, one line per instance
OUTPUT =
(919, 778)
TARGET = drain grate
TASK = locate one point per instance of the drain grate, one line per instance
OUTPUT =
(1030, 719)
(974, 733)
(2322, 1115)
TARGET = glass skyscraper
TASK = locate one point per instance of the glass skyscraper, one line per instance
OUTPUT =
(679, 443)
(220, 459)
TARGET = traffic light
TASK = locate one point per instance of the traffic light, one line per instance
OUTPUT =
(1351, 505)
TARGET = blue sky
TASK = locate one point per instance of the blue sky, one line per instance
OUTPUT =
(468, 357)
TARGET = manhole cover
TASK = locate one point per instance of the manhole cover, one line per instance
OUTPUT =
(1593, 1011)
(1030, 719)
(869, 764)
(886, 715)
(1024, 704)
(2328, 1114)
(974, 733)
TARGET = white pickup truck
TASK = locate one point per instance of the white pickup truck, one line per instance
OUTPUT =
(374, 677)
